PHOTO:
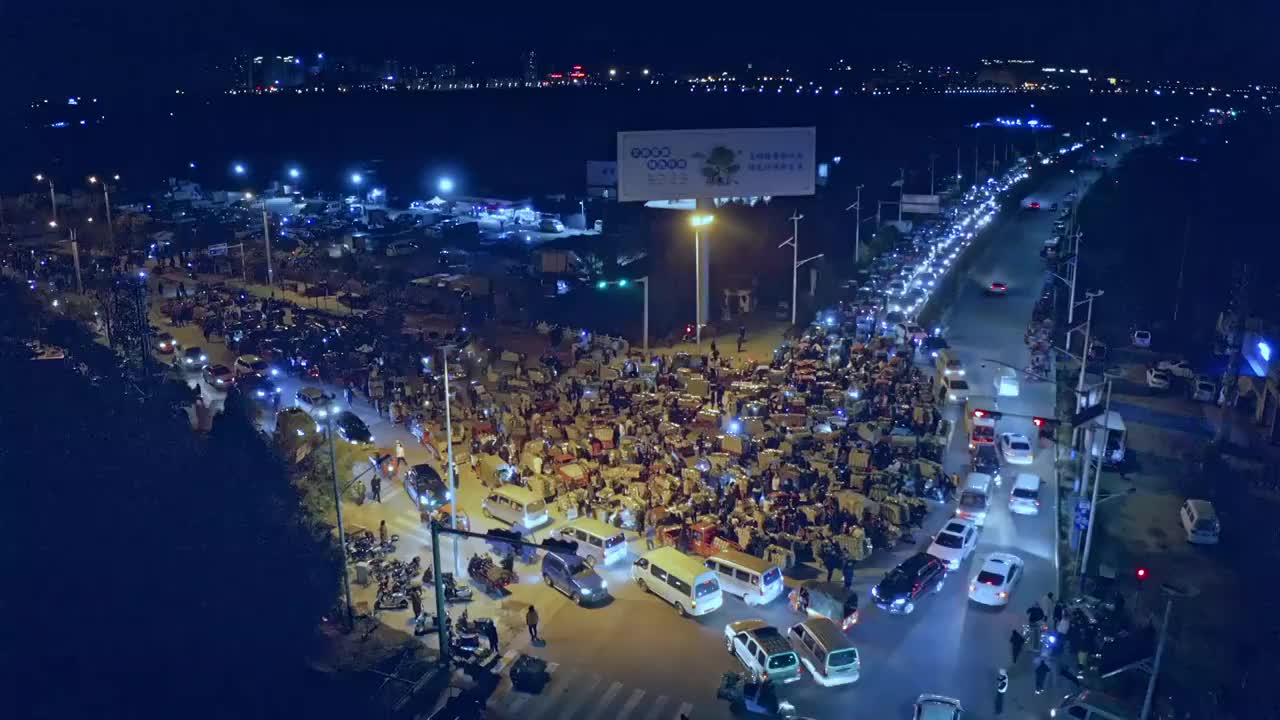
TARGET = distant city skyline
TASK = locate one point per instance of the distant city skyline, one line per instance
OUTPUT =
(149, 45)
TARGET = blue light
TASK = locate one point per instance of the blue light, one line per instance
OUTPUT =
(1264, 350)
(238, 168)
(295, 173)
(1033, 122)
(445, 184)
(357, 178)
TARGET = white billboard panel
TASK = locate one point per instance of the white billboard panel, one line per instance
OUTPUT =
(921, 204)
(602, 173)
(673, 164)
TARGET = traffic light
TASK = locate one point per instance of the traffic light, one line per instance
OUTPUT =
(623, 282)
(981, 413)
(1141, 574)
(601, 285)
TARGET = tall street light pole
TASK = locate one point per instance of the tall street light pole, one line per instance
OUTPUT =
(453, 480)
(932, 158)
(1171, 592)
(698, 222)
(266, 238)
(857, 226)
(106, 202)
(796, 262)
(1097, 478)
(1090, 296)
(342, 532)
(53, 199)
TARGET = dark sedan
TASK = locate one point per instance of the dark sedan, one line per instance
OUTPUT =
(351, 428)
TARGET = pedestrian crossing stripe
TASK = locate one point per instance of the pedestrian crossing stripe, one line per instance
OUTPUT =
(587, 692)
(632, 702)
(656, 708)
(607, 698)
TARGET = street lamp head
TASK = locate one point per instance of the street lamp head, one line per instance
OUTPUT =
(238, 168)
(53, 223)
(357, 178)
(701, 220)
(93, 179)
(39, 177)
(295, 173)
(445, 185)
(115, 177)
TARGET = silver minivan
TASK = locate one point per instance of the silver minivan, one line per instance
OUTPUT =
(1199, 522)
(516, 506)
(825, 650)
(756, 581)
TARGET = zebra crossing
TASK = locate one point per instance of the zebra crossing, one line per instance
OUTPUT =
(578, 694)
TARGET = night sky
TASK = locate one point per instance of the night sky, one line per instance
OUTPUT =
(81, 46)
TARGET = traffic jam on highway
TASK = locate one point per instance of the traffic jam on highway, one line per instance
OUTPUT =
(699, 476)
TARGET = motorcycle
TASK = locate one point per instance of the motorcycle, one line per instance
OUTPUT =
(453, 592)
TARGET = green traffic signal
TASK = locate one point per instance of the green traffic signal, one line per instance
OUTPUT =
(623, 283)
(602, 285)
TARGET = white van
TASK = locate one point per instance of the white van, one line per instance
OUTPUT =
(678, 579)
(516, 506)
(756, 581)
(948, 365)
(1024, 497)
(598, 543)
(825, 650)
(975, 498)
(1200, 522)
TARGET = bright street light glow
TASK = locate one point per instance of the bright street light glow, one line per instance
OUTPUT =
(701, 220)
(295, 173)
(93, 179)
(41, 177)
(357, 178)
(445, 185)
(238, 168)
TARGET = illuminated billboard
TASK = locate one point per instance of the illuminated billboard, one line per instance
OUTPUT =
(675, 164)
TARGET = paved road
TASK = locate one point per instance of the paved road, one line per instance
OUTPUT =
(635, 658)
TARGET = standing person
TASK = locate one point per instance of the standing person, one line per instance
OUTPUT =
(383, 537)
(847, 573)
(1059, 609)
(350, 393)
(1042, 674)
(649, 534)
(415, 598)
(830, 561)
(1016, 641)
(742, 336)
(376, 485)
(491, 634)
(399, 454)
(1002, 686)
(1046, 604)
(531, 619)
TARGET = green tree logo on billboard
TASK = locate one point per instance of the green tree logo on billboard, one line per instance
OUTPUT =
(719, 166)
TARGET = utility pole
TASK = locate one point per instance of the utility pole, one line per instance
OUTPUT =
(266, 237)
(453, 480)
(857, 226)
(75, 258)
(1182, 265)
(995, 162)
(902, 186)
(932, 158)
(958, 174)
(342, 532)
(1239, 317)
(1088, 322)
(1097, 477)
(1171, 593)
(796, 262)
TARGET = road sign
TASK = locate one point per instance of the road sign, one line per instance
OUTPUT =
(736, 162)
(219, 249)
(1086, 415)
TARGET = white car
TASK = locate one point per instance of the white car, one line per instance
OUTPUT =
(1203, 389)
(1016, 449)
(996, 580)
(1141, 338)
(1157, 379)
(1024, 496)
(954, 542)
(246, 364)
(957, 390)
(1177, 368)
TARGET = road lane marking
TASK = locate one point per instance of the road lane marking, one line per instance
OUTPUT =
(548, 699)
(607, 698)
(577, 702)
(657, 708)
(632, 702)
(686, 710)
